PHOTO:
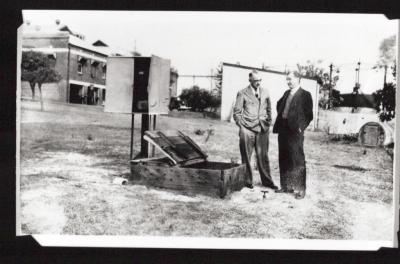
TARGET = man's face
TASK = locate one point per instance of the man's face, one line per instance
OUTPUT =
(255, 80)
(291, 81)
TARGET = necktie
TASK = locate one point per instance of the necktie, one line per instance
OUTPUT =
(287, 106)
(256, 93)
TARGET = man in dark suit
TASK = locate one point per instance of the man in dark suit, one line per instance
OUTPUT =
(295, 112)
(252, 113)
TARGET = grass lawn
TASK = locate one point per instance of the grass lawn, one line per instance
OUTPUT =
(71, 154)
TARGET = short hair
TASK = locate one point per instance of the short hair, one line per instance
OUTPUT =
(252, 73)
(295, 74)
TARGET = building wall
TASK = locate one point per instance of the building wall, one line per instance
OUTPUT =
(43, 41)
(58, 45)
(87, 69)
(51, 91)
(173, 85)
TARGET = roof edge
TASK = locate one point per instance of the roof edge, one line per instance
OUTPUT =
(262, 70)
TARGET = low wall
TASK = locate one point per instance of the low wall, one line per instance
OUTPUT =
(342, 121)
(50, 91)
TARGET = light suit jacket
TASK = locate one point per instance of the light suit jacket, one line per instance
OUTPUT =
(250, 112)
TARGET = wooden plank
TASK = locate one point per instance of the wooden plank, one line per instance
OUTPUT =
(235, 178)
(194, 180)
(172, 145)
(178, 148)
(189, 180)
(167, 132)
(191, 142)
(163, 150)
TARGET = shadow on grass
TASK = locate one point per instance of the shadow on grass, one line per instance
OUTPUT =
(335, 225)
(352, 167)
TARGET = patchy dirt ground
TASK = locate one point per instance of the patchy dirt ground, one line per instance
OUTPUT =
(71, 154)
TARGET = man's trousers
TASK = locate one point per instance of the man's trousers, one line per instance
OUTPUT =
(292, 164)
(259, 141)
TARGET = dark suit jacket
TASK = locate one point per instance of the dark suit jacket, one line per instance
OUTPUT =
(300, 112)
(250, 112)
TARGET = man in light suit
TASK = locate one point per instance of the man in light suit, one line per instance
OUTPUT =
(295, 112)
(252, 113)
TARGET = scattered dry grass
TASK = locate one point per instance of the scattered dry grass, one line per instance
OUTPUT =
(70, 154)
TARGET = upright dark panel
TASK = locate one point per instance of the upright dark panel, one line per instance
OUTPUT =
(140, 103)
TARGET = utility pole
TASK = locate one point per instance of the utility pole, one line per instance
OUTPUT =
(330, 85)
(384, 77)
(211, 80)
(357, 84)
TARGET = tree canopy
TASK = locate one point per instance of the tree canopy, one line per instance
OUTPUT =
(385, 97)
(199, 99)
(387, 52)
(38, 68)
(387, 56)
(326, 82)
(218, 79)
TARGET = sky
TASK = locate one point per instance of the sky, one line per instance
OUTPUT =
(197, 42)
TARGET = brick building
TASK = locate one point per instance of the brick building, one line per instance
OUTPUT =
(82, 65)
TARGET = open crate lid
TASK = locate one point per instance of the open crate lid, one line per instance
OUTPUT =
(178, 147)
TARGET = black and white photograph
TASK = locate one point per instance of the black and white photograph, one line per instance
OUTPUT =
(190, 129)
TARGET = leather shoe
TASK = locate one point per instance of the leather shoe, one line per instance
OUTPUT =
(248, 185)
(273, 187)
(283, 191)
(300, 195)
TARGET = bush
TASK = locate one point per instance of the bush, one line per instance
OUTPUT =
(345, 138)
(199, 99)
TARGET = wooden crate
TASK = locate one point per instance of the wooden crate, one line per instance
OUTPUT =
(186, 168)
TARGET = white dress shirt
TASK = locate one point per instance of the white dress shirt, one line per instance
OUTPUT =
(294, 90)
(256, 91)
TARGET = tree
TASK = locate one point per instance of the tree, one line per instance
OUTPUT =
(387, 56)
(38, 68)
(199, 99)
(326, 78)
(385, 99)
(310, 70)
(218, 80)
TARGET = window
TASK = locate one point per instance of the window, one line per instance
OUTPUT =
(93, 68)
(93, 72)
(81, 63)
(104, 71)
(80, 67)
